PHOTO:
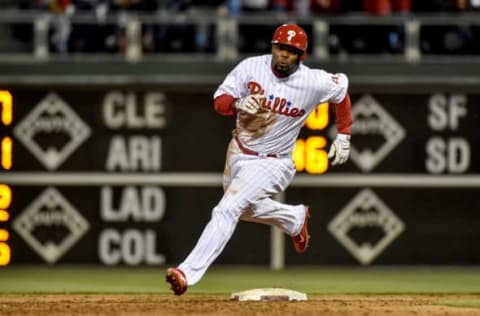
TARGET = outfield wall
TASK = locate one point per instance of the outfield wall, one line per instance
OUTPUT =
(122, 174)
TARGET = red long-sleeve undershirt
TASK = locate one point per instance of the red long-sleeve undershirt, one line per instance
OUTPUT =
(343, 114)
(224, 104)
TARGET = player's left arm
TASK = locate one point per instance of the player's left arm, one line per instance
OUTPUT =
(340, 148)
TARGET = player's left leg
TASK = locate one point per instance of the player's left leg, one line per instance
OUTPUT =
(292, 220)
(288, 218)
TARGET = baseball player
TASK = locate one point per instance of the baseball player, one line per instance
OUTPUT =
(271, 96)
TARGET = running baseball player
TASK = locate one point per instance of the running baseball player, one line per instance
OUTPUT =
(271, 96)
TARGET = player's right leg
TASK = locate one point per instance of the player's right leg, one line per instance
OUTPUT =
(217, 232)
(252, 180)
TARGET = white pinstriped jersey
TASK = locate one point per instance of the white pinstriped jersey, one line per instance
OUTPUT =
(289, 101)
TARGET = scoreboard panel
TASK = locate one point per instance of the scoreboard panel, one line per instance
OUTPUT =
(124, 169)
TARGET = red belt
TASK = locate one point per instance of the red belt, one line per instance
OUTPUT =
(247, 151)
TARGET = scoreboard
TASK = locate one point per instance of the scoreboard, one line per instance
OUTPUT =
(109, 176)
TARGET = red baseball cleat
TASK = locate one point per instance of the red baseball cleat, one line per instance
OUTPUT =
(177, 280)
(301, 240)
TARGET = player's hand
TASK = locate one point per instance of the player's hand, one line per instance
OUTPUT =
(340, 149)
(250, 104)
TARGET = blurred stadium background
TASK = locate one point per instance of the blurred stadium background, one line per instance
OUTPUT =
(111, 153)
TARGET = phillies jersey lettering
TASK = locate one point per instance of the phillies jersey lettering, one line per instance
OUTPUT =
(287, 104)
(275, 104)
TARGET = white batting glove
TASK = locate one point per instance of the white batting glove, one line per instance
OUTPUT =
(340, 149)
(250, 104)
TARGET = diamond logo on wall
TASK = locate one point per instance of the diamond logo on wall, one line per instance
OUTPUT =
(366, 226)
(50, 225)
(375, 133)
(52, 131)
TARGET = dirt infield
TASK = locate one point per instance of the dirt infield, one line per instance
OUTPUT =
(96, 304)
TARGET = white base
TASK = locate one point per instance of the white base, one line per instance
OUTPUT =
(269, 294)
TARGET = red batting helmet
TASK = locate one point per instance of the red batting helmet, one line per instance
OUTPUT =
(292, 35)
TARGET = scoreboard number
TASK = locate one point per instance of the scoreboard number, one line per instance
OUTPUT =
(310, 154)
(6, 146)
(5, 201)
(7, 107)
(6, 141)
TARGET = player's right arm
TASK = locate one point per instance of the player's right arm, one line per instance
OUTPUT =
(224, 105)
(249, 104)
(233, 88)
(232, 95)
(228, 92)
